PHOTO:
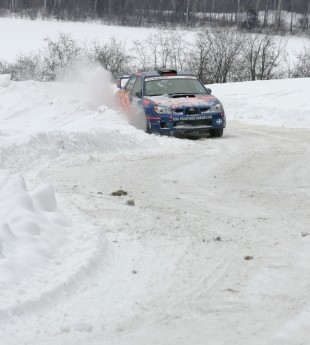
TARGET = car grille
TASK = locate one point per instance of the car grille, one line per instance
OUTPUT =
(190, 111)
(178, 111)
(192, 123)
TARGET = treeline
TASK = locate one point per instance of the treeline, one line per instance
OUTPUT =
(217, 55)
(243, 13)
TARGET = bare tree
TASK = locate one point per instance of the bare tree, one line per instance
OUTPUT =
(187, 13)
(238, 13)
(13, 5)
(224, 49)
(161, 49)
(302, 66)
(292, 15)
(44, 6)
(215, 54)
(112, 56)
(138, 12)
(261, 56)
(212, 10)
(200, 60)
(278, 14)
(60, 53)
(305, 21)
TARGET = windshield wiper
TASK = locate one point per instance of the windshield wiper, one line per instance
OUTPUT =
(179, 94)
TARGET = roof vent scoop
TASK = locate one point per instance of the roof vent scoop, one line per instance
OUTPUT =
(167, 72)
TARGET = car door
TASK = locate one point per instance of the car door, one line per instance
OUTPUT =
(136, 96)
(137, 115)
(133, 93)
(125, 96)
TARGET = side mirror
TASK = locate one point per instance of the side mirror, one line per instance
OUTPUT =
(209, 90)
(121, 82)
(139, 94)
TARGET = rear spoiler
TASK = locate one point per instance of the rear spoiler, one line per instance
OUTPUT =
(167, 72)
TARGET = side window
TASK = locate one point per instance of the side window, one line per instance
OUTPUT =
(130, 84)
(137, 89)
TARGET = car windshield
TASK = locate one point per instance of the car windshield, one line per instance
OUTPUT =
(172, 86)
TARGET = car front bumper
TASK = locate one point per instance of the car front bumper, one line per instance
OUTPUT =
(167, 124)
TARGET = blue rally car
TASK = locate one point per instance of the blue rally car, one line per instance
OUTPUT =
(174, 102)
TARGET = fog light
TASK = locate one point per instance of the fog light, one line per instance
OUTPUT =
(164, 124)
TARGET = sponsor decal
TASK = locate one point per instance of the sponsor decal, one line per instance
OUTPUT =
(192, 118)
(153, 118)
(123, 98)
(173, 103)
(169, 77)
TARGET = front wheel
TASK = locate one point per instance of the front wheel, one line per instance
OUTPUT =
(148, 129)
(216, 133)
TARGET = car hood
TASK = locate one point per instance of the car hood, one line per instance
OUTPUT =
(181, 102)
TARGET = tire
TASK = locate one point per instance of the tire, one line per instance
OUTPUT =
(148, 127)
(216, 133)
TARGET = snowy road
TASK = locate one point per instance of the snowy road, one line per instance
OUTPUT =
(173, 269)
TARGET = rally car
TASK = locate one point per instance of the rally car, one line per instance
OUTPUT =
(173, 102)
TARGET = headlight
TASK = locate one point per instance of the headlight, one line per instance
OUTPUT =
(218, 107)
(162, 110)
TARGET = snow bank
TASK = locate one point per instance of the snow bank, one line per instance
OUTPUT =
(282, 103)
(5, 80)
(25, 227)
(43, 255)
(40, 249)
(43, 121)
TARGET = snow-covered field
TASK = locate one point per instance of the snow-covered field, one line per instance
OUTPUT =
(26, 36)
(21, 35)
(214, 251)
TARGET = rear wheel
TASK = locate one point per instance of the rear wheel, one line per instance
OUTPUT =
(216, 133)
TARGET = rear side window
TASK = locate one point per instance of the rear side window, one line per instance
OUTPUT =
(137, 89)
(130, 84)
